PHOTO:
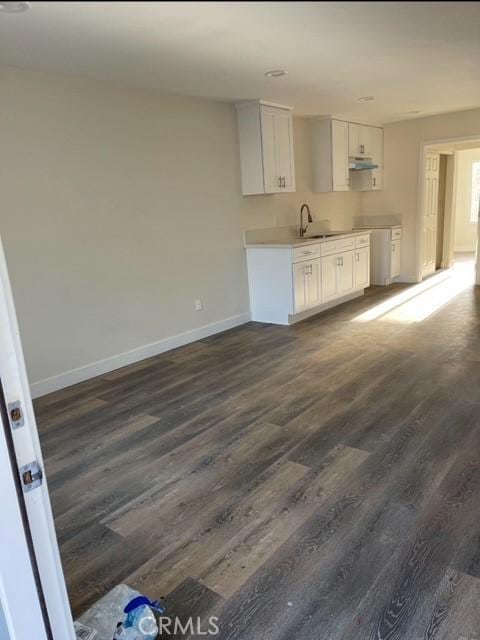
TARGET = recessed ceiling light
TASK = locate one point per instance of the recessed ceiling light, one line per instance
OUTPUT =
(14, 7)
(365, 98)
(276, 73)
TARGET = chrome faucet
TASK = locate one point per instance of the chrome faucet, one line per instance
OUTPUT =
(303, 229)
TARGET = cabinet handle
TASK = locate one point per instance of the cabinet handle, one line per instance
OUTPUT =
(393, 247)
(283, 181)
(357, 257)
(374, 181)
(280, 181)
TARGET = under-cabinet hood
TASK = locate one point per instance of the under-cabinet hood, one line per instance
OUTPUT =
(360, 164)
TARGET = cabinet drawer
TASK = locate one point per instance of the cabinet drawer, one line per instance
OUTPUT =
(306, 253)
(346, 243)
(396, 234)
(362, 241)
(327, 248)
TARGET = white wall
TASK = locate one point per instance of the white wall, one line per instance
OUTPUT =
(402, 142)
(465, 231)
(122, 206)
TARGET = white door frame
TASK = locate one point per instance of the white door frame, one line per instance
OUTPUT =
(26, 447)
(425, 146)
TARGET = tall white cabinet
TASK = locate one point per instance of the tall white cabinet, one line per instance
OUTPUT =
(266, 148)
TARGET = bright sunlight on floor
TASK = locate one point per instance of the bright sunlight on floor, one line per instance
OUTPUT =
(424, 299)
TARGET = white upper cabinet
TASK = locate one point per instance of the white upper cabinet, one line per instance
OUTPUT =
(266, 148)
(372, 144)
(329, 140)
(335, 144)
(360, 141)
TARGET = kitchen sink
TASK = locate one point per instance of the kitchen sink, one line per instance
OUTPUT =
(321, 235)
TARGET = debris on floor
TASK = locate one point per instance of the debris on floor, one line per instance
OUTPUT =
(122, 614)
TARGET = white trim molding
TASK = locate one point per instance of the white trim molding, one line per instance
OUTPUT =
(466, 248)
(80, 374)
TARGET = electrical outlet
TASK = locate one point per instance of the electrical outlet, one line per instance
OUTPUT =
(198, 305)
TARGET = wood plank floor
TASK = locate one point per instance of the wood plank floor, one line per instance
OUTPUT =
(320, 481)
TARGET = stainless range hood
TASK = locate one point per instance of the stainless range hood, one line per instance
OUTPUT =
(361, 164)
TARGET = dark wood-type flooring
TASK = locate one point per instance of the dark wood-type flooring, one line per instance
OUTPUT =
(319, 482)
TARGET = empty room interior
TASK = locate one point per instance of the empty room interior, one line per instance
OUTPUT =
(239, 350)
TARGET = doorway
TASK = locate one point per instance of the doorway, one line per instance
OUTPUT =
(450, 195)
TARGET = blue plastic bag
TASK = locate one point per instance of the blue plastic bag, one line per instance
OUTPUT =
(140, 622)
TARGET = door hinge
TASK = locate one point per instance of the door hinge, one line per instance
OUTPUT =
(32, 476)
(15, 414)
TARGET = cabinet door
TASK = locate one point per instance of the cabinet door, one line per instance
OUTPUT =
(284, 149)
(353, 139)
(300, 298)
(366, 139)
(395, 258)
(340, 155)
(362, 268)
(377, 157)
(314, 283)
(307, 291)
(346, 273)
(271, 175)
(329, 279)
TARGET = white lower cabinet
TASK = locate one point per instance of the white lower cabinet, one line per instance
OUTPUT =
(285, 283)
(306, 285)
(329, 278)
(385, 254)
(346, 274)
(396, 258)
(362, 268)
(338, 275)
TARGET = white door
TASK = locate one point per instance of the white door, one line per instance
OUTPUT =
(340, 155)
(396, 259)
(20, 601)
(430, 210)
(362, 268)
(271, 174)
(26, 449)
(284, 149)
(330, 266)
(346, 271)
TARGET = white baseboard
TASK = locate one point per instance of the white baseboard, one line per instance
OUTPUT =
(465, 249)
(73, 376)
(407, 279)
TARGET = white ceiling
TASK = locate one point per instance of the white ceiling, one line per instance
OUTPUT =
(410, 55)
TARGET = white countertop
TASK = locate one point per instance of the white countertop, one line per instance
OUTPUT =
(301, 242)
(378, 226)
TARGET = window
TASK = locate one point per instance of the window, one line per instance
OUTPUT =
(475, 201)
